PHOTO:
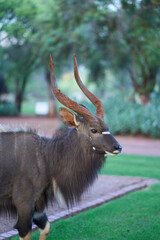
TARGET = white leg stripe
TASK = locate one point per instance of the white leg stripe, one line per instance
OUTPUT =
(45, 231)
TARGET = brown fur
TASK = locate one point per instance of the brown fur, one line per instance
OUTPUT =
(28, 168)
(35, 170)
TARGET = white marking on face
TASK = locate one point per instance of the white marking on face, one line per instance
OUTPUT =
(116, 151)
(94, 148)
(109, 154)
(105, 133)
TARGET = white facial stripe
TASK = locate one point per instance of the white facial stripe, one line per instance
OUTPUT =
(94, 148)
(116, 151)
(105, 133)
(108, 153)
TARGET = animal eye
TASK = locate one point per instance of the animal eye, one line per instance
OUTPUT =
(93, 130)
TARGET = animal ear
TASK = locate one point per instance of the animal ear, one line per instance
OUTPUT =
(69, 118)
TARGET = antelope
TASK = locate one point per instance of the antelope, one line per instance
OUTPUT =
(36, 170)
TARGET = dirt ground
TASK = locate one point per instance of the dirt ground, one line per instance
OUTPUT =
(47, 126)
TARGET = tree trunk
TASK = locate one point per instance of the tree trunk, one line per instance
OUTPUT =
(20, 93)
(18, 101)
(147, 84)
(144, 99)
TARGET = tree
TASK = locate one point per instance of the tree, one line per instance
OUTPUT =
(134, 41)
(22, 58)
(65, 28)
(18, 47)
(104, 34)
(123, 36)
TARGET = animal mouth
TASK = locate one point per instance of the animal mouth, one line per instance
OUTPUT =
(112, 153)
(107, 153)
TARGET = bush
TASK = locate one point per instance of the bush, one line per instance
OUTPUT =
(128, 117)
(151, 113)
(8, 109)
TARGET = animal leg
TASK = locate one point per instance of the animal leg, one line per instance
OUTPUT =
(24, 223)
(45, 232)
(27, 237)
(41, 220)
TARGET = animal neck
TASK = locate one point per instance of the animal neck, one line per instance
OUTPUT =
(75, 164)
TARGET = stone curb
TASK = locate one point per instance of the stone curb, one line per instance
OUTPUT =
(146, 182)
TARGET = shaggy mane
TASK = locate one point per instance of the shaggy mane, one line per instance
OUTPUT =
(9, 129)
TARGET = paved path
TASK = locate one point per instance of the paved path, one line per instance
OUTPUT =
(140, 145)
(105, 188)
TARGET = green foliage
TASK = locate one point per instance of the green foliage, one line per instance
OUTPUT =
(128, 117)
(120, 35)
(125, 116)
(28, 107)
(151, 118)
(8, 109)
(17, 47)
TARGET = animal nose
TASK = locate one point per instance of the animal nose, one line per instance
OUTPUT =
(117, 148)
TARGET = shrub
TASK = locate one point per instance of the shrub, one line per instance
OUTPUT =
(127, 117)
(8, 109)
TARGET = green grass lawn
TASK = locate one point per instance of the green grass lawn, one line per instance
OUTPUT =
(132, 165)
(135, 216)
(28, 107)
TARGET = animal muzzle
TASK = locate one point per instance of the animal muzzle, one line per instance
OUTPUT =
(116, 149)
